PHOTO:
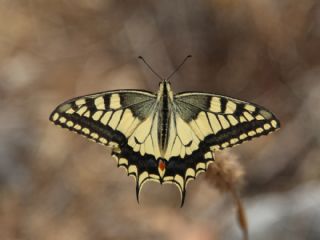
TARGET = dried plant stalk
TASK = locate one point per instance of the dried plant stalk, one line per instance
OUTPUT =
(226, 174)
(241, 213)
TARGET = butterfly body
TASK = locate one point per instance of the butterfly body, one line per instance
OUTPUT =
(165, 99)
(164, 137)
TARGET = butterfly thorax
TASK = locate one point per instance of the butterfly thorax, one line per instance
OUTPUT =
(165, 100)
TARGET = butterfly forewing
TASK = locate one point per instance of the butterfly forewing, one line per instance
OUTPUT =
(222, 122)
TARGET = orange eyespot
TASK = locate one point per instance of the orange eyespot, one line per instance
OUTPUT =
(162, 165)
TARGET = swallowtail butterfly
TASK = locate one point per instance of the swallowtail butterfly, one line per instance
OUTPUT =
(164, 137)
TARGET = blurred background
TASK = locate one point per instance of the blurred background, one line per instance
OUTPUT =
(57, 185)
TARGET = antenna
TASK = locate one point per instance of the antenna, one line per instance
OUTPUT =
(155, 73)
(184, 60)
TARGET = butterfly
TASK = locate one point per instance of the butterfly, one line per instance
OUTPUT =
(164, 137)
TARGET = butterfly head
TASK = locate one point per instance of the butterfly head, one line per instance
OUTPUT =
(165, 81)
(165, 89)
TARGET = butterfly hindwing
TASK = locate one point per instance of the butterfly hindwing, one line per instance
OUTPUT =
(180, 171)
(184, 157)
